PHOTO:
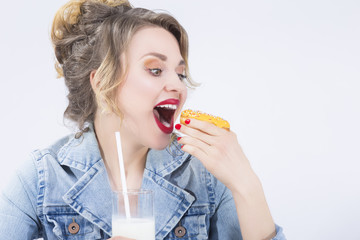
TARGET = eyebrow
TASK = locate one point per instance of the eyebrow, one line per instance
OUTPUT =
(162, 57)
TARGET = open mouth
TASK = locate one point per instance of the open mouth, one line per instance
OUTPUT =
(164, 114)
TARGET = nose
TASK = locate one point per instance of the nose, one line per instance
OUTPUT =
(173, 83)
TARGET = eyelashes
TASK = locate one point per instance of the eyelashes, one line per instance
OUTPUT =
(182, 77)
(156, 68)
(156, 72)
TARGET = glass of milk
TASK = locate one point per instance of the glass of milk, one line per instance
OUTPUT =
(133, 214)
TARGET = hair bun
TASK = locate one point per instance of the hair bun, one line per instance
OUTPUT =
(74, 22)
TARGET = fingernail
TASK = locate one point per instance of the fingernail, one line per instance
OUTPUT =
(178, 126)
(187, 121)
(178, 138)
(182, 146)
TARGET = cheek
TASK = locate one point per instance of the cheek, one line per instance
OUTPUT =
(137, 92)
(144, 87)
(183, 95)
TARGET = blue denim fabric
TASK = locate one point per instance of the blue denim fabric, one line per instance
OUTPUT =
(68, 183)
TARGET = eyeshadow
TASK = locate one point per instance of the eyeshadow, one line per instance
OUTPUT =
(152, 63)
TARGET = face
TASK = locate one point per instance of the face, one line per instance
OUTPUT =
(153, 93)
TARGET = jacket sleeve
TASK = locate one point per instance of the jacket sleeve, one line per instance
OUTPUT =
(18, 214)
(224, 224)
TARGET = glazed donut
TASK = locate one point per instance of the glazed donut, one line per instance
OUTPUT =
(218, 121)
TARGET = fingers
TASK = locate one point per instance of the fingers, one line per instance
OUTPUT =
(195, 151)
(194, 146)
(205, 127)
(196, 134)
(203, 138)
(204, 131)
(200, 138)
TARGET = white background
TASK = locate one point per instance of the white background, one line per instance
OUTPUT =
(284, 73)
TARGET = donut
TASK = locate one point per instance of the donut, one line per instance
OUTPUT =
(218, 121)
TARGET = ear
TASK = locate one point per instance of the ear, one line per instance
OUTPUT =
(93, 81)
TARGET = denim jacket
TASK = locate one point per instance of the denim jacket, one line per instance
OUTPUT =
(68, 183)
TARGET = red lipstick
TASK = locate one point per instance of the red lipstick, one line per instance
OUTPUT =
(164, 114)
(169, 101)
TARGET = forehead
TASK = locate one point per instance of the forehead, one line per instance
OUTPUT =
(153, 39)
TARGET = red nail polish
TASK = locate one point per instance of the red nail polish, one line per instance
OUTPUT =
(178, 138)
(182, 146)
(178, 126)
(187, 121)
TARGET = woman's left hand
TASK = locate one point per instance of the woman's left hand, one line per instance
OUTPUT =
(218, 149)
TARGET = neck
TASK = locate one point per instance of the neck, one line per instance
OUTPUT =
(134, 154)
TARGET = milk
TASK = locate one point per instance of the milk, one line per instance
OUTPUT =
(136, 228)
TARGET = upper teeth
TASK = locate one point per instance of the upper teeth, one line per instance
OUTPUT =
(170, 106)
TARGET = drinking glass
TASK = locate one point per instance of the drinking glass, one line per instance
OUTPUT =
(133, 214)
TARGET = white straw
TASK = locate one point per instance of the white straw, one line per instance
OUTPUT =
(122, 175)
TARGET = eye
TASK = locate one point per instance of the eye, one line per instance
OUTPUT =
(155, 71)
(182, 77)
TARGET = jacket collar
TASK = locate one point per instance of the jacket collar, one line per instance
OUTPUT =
(83, 153)
(164, 162)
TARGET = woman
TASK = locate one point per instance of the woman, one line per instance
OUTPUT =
(126, 70)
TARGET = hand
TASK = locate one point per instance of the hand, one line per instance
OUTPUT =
(219, 151)
(221, 154)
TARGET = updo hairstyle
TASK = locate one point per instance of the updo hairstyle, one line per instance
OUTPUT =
(91, 35)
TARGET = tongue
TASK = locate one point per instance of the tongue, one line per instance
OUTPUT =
(164, 116)
(162, 120)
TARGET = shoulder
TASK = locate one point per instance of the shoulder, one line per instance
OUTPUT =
(29, 171)
(33, 168)
(78, 151)
(29, 175)
(26, 183)
(52, 150)
(29, 167)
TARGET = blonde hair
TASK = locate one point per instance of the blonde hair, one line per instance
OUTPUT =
(91, 35)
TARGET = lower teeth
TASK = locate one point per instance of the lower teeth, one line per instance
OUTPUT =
(166, 124)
